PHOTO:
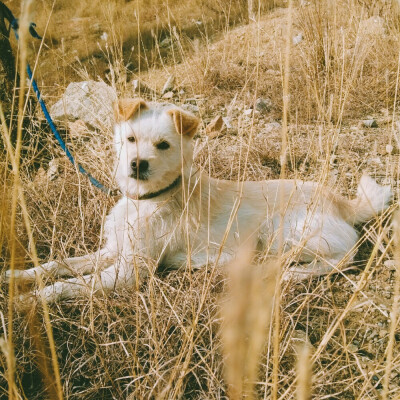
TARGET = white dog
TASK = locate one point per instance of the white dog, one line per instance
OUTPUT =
(171, 214)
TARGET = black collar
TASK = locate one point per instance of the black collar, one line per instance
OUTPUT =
(151, 195)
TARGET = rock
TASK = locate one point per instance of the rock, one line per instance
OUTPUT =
(191, 108)
(249, 111)
(263, 105)
(214, 128)
(194, 100)
(370, 123)
(104, 36)
(90, 101)
(273, 72)
(375, 160)
(227, 122)
(389, 149)
(374, 26)
(373, 334)
(297, 39)
(40, 177)
(140, 87)
(52, 172)
(169, 85)
(301, 338)
(165, 42)
(78, 129)
(216, 124)
(272, 126)
(168, 95)
(383, 333)
(352, 348)
(390, 264)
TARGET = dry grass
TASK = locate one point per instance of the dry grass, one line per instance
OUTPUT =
(183, 334)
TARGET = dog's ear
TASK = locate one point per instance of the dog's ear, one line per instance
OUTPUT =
(125, 109)
(185, 123)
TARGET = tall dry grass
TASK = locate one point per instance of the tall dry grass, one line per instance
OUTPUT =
(208, 334)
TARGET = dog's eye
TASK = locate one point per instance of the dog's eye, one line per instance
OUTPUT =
(132, 139)
(162, 145)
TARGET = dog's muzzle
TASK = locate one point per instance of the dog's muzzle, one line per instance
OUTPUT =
(140, 169)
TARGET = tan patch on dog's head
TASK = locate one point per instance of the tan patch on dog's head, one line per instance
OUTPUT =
(185, 123)
(125, 109)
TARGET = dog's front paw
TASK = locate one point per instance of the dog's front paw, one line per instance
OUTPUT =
(19, 274)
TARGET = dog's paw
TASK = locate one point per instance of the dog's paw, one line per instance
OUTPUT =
(19, 275)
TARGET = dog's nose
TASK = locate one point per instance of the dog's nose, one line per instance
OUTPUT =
(141, 168)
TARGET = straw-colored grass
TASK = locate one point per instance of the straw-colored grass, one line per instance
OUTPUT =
(219, 332)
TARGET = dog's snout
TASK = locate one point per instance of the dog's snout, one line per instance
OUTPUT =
(143, 165)
(140, 168)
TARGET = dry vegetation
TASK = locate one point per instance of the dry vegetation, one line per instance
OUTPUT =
(183, 334)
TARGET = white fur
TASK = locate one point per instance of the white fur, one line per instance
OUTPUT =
(203, 221)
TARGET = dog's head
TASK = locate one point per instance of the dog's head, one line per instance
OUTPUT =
(153, 143)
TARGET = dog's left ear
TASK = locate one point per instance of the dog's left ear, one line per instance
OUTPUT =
(185, 123)
(125, 109)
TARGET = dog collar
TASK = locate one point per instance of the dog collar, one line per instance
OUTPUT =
(151, 195)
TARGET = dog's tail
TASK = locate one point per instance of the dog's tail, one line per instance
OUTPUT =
(371, 200)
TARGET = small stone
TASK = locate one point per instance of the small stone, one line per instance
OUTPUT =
(104, 36)
(383, 333)
(166, 42)
(263, 105)
(78, 129)
(373, 334)
(215, 126)
(169, 85)
(272, 126)
(352, 348)
(191, 108)
(249, 111)
(390, 264)
(90, 101)
(168, 95)
(140, 87)
(370, 123)
(301, 337)
(373, 26)
(375, 160)
(297, 39)
(273, 72)
(389, 149)
(227, 122)
(52, 172)
(384, 112)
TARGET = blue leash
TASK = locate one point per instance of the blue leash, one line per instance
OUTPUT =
(94, 181)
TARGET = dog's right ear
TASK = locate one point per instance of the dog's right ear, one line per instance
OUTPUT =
(185, 123)
(125, 109)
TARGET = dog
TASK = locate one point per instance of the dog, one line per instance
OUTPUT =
(172, 214)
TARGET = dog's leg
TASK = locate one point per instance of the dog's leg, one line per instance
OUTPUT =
(323, 243)
(199, 260)
(311, 270)
(69, 266)
(118, 275)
